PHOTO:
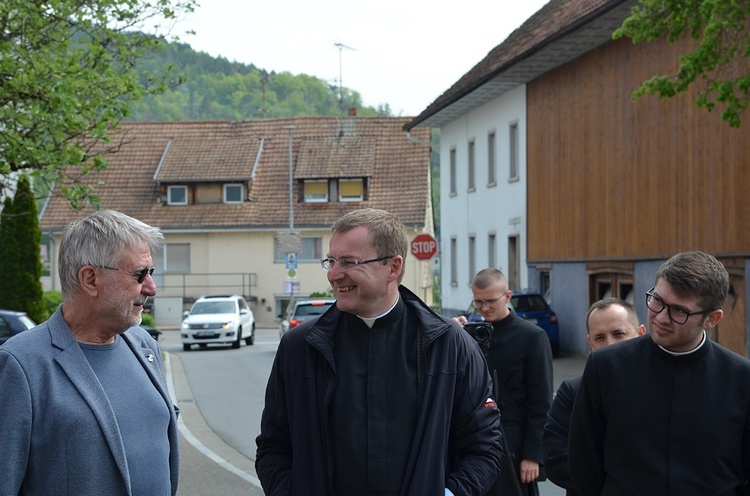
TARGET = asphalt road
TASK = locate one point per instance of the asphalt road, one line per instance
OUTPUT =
(220, 394)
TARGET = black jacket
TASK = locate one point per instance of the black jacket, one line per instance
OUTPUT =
(457, 440)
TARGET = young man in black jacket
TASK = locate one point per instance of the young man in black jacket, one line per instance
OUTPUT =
(380, 395)
(608, 321)
(520, 357)
(667, 413)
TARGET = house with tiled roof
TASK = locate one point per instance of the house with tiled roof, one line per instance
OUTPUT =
(553, 174)
(220, 192)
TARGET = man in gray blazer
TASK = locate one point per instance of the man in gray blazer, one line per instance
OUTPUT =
(83, 397)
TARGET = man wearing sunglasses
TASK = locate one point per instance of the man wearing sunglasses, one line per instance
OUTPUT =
(667, 413)
(84, 400)
(379, 395)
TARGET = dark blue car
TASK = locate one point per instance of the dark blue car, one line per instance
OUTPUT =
(534, 308)
(11, 323)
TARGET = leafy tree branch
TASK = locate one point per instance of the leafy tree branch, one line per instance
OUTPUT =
(720, 60)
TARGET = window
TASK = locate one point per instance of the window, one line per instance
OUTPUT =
(312, 250)
(177, 195)
(491, 165)
(351, 190)
(513, 152)
(514, 263)
(454, 263)
(177, 257)
(472, 185)
(472, 256)
(453, 172)
(491, 248)
(5, 331)
(233, 193)
(316, 191)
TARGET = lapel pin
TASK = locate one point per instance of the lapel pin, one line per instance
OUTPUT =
(150, 357)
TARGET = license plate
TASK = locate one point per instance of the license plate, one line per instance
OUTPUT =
(533, 321)
(205, 333)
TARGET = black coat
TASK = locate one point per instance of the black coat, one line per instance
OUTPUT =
(557, 433)
(647, 423)
(457, 441)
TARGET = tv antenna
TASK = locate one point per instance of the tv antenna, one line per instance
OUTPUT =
(341, 48)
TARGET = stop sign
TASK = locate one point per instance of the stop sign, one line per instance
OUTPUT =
(424, 247)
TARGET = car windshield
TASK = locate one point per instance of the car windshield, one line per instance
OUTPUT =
(209, 307)
(313, 309)
(528, 303)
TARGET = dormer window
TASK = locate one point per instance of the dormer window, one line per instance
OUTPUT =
(316, 191)
(233, 193)
(177, 195)
(351, 190)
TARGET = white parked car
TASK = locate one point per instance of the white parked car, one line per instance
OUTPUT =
(218, 320)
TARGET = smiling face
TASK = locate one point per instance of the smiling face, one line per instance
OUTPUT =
(679, 337)
(610, 325)
(365, 290)
(124, 298)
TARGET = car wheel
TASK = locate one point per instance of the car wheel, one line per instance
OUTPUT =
(236, 342)
(250, 340)
(186, 347)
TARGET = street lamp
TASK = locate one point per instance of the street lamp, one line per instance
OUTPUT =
(290, 128)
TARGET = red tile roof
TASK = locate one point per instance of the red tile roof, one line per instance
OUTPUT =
(155, 153)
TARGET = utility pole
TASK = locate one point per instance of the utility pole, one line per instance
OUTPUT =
(290, 128)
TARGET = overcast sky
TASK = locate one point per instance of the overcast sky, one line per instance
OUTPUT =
(404, 53)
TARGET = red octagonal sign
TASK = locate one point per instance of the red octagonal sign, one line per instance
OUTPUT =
(424, 247)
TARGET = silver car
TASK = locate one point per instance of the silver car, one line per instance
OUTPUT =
(299, 311)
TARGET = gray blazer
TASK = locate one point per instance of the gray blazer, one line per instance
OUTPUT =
(58, 433)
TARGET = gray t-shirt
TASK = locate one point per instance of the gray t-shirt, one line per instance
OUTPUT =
(141, 413)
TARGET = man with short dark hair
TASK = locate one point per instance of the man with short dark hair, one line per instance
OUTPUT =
(519, 357)
(608, 321)
(667, 413)
(379, 395)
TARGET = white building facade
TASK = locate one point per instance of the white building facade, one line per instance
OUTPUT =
(483, 197)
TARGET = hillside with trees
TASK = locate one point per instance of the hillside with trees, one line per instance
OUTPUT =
(213, 88)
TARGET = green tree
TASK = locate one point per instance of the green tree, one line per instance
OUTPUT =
(720, 59)
(28, 239)
(9, 256)
(67, 75)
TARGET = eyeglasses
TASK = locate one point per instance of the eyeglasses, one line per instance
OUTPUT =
(676, 314)
(489, 303)
(140, 275)
(348, 263)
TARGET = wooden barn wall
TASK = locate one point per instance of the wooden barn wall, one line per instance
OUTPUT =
(610, 179)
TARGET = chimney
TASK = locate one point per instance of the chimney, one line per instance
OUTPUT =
(352, 111)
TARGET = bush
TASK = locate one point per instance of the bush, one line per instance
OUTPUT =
(52, 300)
(148, 320)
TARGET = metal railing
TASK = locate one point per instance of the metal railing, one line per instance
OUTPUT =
(194, 285)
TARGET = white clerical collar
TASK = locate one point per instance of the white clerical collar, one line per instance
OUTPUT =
(370, 321)
(675, 353)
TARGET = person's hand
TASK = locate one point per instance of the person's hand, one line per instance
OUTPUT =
(529, 471)
(461, 320)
